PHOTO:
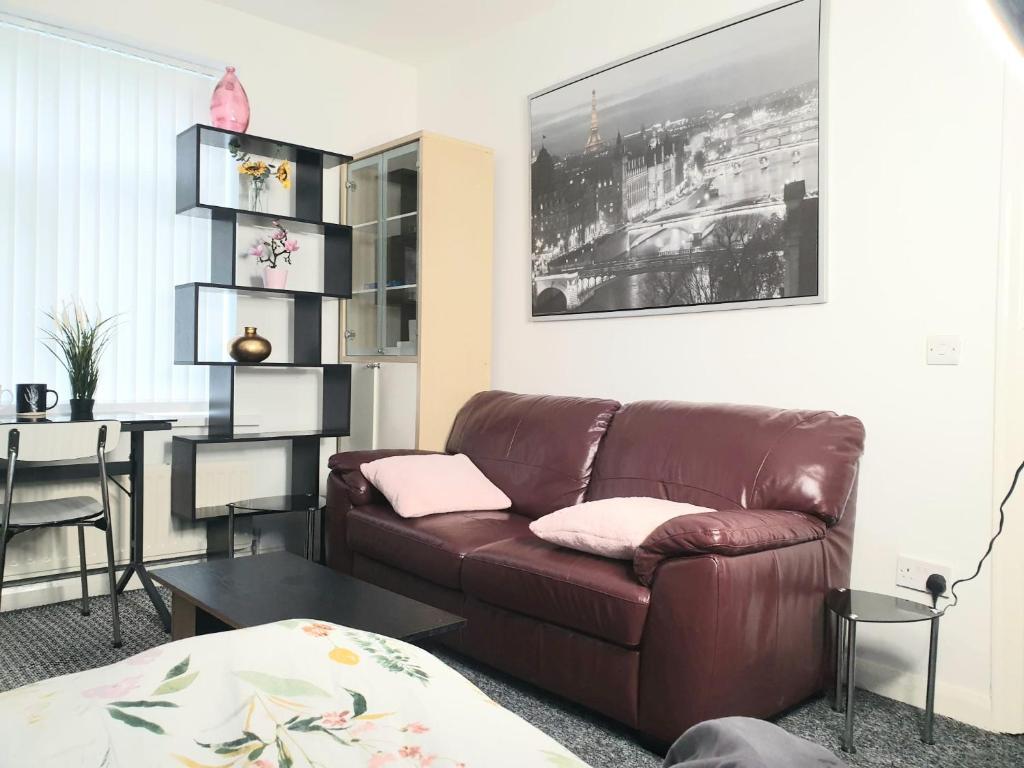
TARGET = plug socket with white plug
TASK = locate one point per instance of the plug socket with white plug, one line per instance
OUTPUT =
(915, 574)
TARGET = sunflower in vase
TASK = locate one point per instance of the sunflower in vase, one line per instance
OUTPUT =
(258, 173)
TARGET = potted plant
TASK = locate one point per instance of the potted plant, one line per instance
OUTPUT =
(78, 341)
(268, 250)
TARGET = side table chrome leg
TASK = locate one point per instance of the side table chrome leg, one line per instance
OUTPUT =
(837, 694)
(231, 532)
(851, 684)
(309, 534)
(929, 706)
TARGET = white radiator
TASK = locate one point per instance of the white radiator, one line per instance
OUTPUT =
(54, 551)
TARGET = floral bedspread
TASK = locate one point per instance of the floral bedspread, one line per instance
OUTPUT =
(291, 694)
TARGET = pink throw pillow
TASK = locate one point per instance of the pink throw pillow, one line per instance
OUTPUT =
(429, 484)
(610, 527)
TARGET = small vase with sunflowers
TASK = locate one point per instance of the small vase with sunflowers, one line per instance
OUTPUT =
(257, 173)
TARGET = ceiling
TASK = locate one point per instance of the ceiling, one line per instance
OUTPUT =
(413, 31)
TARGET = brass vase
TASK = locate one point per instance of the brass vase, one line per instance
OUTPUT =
(250, 348)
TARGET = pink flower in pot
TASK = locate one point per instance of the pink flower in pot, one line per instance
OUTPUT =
(271, 248)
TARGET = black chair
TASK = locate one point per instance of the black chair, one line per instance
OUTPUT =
(62, 442)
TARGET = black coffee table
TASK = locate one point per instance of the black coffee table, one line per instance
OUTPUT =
(243, 592)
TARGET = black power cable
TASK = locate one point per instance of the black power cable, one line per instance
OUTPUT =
(992, 541)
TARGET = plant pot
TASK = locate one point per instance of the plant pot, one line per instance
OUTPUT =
(81, 409)
(275, 278)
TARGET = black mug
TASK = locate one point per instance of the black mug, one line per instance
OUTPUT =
(30, 399)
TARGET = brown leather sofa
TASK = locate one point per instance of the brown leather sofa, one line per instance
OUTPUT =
(719, 613)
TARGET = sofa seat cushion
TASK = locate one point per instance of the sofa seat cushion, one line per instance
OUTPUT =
(431, 547)
(595, 595)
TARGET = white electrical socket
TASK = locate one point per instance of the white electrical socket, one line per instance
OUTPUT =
(913, 574)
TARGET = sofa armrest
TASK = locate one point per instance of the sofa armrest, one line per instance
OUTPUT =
(346, 466)
(726, 532)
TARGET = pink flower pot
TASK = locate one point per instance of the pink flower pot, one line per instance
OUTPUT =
(275, 278)
(229, 106)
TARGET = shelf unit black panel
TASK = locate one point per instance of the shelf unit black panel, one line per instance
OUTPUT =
(258, 145)
(310, 165)
(244, 217)
(305, 444)
(267, 292)
(337, 268)
(306, 330)
(304, 469)
(308, 311)
(258, 437)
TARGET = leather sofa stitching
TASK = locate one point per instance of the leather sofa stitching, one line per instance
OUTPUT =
(778, 605)
(645, 599)
(605, 478)
(532, 466)
(704, 531)
(402, 534)
(515, 432)
(719, 610)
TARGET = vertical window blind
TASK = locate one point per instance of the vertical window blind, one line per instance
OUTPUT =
(87, 198)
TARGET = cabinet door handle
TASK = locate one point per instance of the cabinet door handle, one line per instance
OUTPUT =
(349, 335)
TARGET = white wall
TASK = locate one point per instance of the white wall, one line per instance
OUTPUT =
(914, 129)
(302, 88)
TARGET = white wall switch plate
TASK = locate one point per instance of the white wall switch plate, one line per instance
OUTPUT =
(944, 350)
(913, 574)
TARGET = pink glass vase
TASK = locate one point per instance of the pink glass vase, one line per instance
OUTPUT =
(229, 106)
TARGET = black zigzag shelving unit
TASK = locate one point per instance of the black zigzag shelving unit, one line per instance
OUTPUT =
(310, 166)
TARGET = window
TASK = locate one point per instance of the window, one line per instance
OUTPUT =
(87, 187)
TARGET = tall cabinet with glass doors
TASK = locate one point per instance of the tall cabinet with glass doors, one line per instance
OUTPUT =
(417, 328)
(383, 211)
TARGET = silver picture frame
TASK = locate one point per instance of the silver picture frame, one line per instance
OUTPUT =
(820, 295)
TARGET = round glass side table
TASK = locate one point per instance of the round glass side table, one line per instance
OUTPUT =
(852, 606)
(309, 503)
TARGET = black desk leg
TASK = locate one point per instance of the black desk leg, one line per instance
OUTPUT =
(136, 564)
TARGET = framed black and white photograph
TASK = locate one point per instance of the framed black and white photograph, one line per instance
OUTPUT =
(684, 178)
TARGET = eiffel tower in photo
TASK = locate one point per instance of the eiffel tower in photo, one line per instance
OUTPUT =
(594, 141)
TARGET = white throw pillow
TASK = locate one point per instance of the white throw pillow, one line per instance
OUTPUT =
(429, 484)
(610, 527)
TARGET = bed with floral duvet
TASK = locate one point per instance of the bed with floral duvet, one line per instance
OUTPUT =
(293, 694)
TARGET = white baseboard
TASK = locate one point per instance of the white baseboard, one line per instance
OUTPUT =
(953, 701)
(56, 591)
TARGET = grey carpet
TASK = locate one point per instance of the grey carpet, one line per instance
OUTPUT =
(37, 643)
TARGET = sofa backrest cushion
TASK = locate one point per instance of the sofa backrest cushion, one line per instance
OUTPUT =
(539, 449)
(731, 457)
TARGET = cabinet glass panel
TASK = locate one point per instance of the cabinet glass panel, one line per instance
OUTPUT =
(361, 312)
(402, 169)
(364, 192)
(400, 250)
(400, 295)
(383, 194)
